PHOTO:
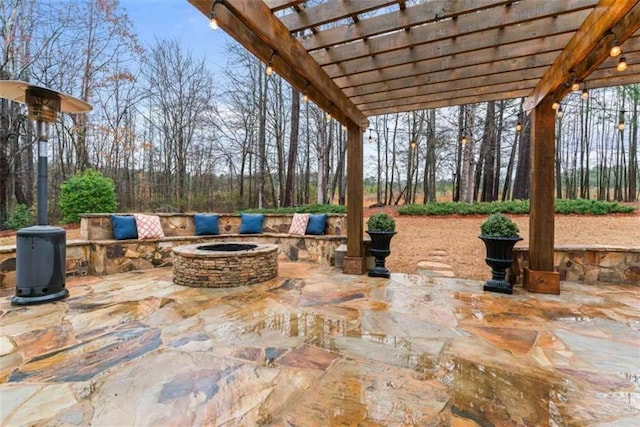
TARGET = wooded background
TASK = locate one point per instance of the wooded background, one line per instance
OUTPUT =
(175, 136)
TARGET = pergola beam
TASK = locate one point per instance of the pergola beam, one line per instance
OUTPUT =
(606, 15)
(276, 5)
(329, 12)
(506, 22)
(427, 58)
(259, 31)
(404, 18)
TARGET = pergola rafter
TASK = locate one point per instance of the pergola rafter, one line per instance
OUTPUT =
(359, 58)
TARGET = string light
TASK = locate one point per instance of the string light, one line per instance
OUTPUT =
(575, 86)
(213, 21)
(560, 113)
(518, 126)
(269, 69)
(585, 94)
(370, 137)
(615, 49)
(305, 97)
(328, 117)
(555, 105)
(344, 128)
(621, 122)
(464, 140)
(622, 64)
(413, 144)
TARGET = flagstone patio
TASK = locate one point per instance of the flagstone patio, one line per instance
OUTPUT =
(314, 347)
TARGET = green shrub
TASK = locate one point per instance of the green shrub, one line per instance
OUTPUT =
(312, 208)
(89, 192)
(22, 217)
(498, 225)
(516, 207)
(381, 222)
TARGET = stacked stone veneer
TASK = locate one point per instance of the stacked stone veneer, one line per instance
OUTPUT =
(590, 263)
(207, 269)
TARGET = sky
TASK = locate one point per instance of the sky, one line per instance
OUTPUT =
(179, 20)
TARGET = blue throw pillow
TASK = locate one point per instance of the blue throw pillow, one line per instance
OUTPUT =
(251, 223)
(317, 224)
(124, 227)
(206, 224)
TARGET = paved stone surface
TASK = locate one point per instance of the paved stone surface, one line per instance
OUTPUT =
(314, 347)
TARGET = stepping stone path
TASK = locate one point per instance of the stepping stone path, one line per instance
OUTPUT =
(437, 264)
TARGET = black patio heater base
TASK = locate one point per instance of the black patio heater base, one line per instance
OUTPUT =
(40, 265)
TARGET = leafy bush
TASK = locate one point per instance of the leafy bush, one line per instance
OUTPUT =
(498, 225)
(313, 208)
(90, 192)
(517, 207)
(381, 222)
(22, 217)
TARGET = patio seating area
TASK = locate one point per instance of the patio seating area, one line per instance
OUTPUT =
(317, 347)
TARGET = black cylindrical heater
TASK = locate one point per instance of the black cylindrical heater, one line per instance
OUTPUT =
(40, 265)
(41, 249)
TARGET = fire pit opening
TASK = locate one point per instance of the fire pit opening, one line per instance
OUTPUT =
(228, 247)
(223, 265)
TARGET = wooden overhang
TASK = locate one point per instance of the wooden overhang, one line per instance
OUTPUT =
(359, 58)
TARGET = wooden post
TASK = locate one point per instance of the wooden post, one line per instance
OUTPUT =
(354, 260)
(540, 275)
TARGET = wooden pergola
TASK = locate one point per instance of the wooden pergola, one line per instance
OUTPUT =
(360, 58)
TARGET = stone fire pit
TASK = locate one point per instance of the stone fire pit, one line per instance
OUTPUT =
(224, 265)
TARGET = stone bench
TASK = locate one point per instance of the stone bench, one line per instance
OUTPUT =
(98, 253)
(592, 263)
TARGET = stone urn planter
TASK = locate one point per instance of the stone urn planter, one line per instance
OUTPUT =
(381, 228)
(499, 235)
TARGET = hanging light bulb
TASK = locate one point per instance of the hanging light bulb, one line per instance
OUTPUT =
(328, 117)
(213, 22)
(305, 98)
(615, 49)
(464, 140)
(622, 64)
(269, 69)
(621, 126)
(370, 137)
(560, 113)
(518, 126)
(585, 94)
(413, 144)
(575, 86)
(555, 105)
(344, 128)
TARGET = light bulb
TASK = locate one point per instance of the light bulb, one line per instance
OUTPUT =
(269, 70)
(615, 49)
(575, 87)
(305, 98)
(621, 126)
(213, 23)
(518, 127)
(464, 140)
(328, 117)
(555, 105)
(622, 64)
(344, 128)
(413, 144)
(585, 94)
(560, 113)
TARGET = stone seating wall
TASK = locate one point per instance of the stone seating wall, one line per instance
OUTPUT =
(597, 263)
(98, 253)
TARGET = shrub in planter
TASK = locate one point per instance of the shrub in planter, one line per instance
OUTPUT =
(381, 222)
(381, 228)
(499, 235)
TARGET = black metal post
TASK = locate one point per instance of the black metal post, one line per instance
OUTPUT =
(43, 137)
